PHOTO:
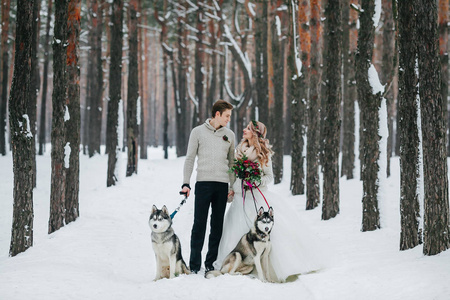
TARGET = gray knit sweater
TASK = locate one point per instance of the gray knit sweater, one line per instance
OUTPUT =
(215, 151)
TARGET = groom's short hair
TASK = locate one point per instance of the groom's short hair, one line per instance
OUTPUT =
(220, 106)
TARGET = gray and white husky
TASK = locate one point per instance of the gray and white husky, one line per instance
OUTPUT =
(166, 245)
(252, 251)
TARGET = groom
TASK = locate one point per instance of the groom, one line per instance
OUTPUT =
(213, 144)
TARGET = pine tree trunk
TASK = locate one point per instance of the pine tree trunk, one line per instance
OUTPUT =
(210, 99)
(22, 227)
(166, 109)
(144, 85)
(388, 72)
(408, 127)
(261, 84)
(96, 79)
(436, 218)
(305, 46)
(277, 136)
(133, 92)
(73, 106)
(443, 53)
(298, 107)
(42, 123)
(5, 67)
(115, 87)
(370, 104)
(312, 148)
(348, 120)
(199, 61)
(331, 130)
(182, 119)
(35, 79)
(59, 96)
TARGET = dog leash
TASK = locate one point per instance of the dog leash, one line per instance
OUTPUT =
(250, 187)
(181, 204)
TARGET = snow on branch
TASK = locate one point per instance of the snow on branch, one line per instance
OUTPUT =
(167, 48)
(236, 47)
(209, 15)
(191, 96)
(227, 86)
(192, 4)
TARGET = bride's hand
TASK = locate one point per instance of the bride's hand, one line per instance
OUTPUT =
(230, 196)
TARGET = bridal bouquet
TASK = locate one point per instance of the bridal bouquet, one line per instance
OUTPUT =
(246, 170)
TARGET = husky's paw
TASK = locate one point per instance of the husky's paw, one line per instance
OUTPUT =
(212, 274)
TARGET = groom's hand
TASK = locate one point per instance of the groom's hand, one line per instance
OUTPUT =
(186, 190)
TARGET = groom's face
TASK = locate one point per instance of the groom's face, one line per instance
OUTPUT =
(223, 118)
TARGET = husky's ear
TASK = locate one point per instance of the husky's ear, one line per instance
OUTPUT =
(154, 209)
(260, 211)
(271, 212)
(164, 210)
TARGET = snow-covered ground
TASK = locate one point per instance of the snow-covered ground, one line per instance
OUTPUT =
(107, 252)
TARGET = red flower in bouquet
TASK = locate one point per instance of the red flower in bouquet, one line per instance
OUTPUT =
(246, 170)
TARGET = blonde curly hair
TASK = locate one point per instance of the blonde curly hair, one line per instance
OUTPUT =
(259, 141)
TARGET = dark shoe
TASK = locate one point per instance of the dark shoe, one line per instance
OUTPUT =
(194, 271)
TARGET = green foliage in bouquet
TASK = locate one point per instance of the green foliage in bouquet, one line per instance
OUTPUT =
(246, 170)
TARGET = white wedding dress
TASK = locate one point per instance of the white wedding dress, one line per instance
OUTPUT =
(294, 249)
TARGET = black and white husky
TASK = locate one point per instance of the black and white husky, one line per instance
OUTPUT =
(166, 245)
(252, 251)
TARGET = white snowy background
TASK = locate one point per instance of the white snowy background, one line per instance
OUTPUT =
(107, 252)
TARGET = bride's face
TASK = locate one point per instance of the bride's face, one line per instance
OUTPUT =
(247, 133)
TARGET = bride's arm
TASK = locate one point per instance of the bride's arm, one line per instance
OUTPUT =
(267, 176)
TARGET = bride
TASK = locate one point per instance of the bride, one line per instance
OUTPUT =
(293, 249)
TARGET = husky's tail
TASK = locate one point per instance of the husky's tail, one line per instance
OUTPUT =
(212, 274)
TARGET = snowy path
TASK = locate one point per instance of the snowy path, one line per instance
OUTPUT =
(107, 254)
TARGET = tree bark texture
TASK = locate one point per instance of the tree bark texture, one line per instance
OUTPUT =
(182, 117)
(115, 88)
(262, 80)
(6, 5)
(72, 125)
(298, 107)
(21, 139)
(144, 84)
(331, 130)
(388, 73)
(277, 136)
(443, 53)
(59, 96)
(35, 82)
(350, 35)
(133, 92)
(96, 80)
(211, 97)
(199, 65)
(42, 121)
(408, 127)
(436, 217)
(166, 109)
(312, 148)
(370, 104)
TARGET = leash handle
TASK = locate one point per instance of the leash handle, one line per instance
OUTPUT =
(181, 204)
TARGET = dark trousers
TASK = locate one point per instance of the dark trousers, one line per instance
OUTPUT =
(207, 193)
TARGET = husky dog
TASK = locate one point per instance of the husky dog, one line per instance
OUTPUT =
(167, 247)
(252, 251)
